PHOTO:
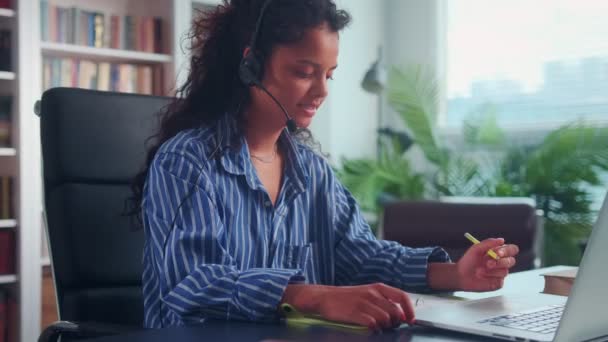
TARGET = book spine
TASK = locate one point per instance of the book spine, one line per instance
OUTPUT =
(99, 23)
(5, 120)
(7, 251)
(158, 34)
(91, 28)
(52, 22)
(5, 50)
(44, 20)
(75, 25)
(107, 32)
(115, 39)
(5, 198)
(3, 316)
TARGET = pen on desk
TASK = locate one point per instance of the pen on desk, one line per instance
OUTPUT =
(490, 252)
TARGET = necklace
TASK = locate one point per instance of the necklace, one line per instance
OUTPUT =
(266, 160)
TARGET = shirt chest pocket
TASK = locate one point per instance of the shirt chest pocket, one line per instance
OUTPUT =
(293, 256)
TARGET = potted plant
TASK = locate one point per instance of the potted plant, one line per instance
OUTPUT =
(558, 172)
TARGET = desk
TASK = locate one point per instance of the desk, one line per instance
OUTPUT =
(522, 282)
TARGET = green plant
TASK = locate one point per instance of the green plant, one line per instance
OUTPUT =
(557, 172)
(390, 174)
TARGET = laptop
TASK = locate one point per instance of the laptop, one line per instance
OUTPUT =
(540, 317)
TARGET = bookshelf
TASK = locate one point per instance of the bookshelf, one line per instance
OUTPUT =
(8, 152)
(8, 157)
(197, 3)
(9, 223)
(7, 75)
(8, 279)
(25, 83)
(8, 13)
(104, 54)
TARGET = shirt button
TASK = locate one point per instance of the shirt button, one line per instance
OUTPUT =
(268, 204)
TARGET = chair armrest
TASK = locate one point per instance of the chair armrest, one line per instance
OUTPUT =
(82, 330)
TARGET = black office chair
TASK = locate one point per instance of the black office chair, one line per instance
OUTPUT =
(93, 144)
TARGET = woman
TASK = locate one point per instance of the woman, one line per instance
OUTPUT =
(240, 215)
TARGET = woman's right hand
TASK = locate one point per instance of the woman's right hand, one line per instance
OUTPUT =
(377, 306)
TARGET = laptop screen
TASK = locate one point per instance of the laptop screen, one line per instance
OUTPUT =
(585, 315)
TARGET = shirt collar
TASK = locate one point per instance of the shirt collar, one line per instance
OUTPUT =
(237, 160)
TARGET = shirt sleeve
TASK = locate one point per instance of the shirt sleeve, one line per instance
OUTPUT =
(363, 259)
(198, 276)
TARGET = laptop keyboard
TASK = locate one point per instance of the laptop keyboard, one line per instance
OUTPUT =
(543, 320)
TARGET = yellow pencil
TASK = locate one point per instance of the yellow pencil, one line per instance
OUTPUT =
(490, 252)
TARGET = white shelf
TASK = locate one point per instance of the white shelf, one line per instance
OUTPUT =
(7, 152)
(45, 261)
(8, 279)
(7, 75)
(8, 223)
(207, 2)
(5, 12)
(111, 55)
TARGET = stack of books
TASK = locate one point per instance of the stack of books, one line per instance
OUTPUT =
(73, 25)
(125, 78)
(560, 283)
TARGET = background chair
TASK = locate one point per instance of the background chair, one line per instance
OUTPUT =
(443, 223)
(92, 147)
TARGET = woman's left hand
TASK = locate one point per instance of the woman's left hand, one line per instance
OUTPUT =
(477, 271)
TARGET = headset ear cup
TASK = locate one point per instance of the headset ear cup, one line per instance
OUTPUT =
(249, 70)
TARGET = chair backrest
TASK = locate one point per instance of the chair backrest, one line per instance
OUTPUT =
(93, 144)
(434, 223)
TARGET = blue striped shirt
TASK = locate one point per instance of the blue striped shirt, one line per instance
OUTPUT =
(231, 252)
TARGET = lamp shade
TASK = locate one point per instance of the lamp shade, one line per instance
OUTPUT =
(375, 79)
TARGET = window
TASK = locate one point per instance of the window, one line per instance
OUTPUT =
(533, 64)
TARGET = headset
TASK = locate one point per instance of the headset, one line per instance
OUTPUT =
(250, 68)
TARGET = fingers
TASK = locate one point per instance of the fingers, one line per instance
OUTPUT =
(493, 273)
(501, 263)
(496, 283)
(507, 251)
(401, 298)
(366, 320)
(384, 316)
(487, 244)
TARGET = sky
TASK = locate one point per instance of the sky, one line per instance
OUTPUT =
(496, 39)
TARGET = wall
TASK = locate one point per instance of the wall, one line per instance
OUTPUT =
(346, 123)
(414, 35)
(409, 32)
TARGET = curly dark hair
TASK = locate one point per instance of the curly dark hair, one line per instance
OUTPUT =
(213, 88)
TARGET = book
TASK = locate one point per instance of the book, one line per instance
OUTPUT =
(99, 29)
(7, 251)
(3, 316)
(5, 121)
(69, 72)
(73, 25)
(560, 283)
(44, 20)
(5, 4)
(296, 319)
(6, 208)
(11, 318)
(5, 50)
